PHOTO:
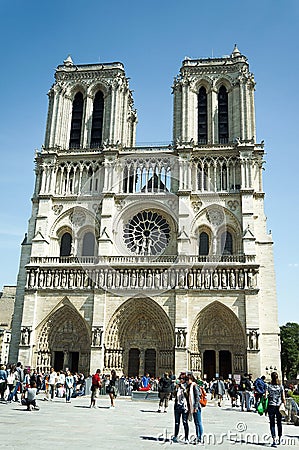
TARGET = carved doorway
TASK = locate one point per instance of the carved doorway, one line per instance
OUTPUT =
(217, 334)
(63, 341)
(139, 324)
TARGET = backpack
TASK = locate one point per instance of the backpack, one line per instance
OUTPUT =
(203, 400)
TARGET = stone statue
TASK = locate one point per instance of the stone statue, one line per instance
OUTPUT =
(215, 280)
(25, 336)
(232, 279)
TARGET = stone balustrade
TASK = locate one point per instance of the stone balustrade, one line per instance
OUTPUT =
(204, 278)
(142, 259)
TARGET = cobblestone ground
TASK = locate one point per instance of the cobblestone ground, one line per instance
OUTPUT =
(130, 425)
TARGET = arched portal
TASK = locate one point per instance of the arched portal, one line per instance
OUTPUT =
(63, 341)
(139, 338)
(218, 343)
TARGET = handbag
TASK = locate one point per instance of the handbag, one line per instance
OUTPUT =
(262, 406)
(203, 397)
(282, 409)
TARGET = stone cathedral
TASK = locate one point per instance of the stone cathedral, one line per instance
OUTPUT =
(146, 259)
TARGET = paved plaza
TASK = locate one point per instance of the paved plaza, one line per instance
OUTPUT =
(130, 425)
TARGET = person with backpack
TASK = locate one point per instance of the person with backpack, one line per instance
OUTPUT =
(164, 389)
(246, 389)
(259, 389)
(195, 394)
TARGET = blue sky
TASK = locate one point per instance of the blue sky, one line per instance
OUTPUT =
(151, 38)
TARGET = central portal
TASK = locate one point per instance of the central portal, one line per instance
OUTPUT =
(139, 339)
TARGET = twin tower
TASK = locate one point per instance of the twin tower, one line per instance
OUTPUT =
(147, 259)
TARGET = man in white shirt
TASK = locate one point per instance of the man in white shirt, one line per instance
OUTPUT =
(52, 382)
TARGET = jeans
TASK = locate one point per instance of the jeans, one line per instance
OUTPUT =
(68, 393)
(273, 411)
(179, 413)
(52, 390)
(245, 400)
(198, 424)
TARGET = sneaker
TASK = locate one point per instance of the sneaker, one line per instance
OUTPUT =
(159, 410)
(174, 439)
(274, 445)
(186, 441)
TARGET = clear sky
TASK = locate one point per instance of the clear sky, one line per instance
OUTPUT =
(151, 38)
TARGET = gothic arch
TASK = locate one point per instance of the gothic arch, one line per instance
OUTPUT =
(139, 323)
(229, 219)
(64, 220)
(74, 89)
(63, 330)
(217, 328)
(224, 81)
(98, 86)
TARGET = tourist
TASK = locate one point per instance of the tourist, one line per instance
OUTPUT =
(69, 386)
(245, 388)
(233, 393)
(29, 395)
(193, 392)
(145, 381)
(11, 381)
(96, 384)
(218, 389)
(276, 397)
(52, 382)
(181, 409)
(164, 389)
(3, 381)
(111, 388)
(260, 389)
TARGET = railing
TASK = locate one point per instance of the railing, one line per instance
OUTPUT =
(149, 259)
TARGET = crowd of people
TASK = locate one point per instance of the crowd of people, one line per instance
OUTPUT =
(189, 394)
(21, 385)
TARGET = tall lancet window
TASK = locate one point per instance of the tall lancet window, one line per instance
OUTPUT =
(88, 244)
(203, 244)
(202, 116)
(97, 120)
(223, 115)
(66, 245)
(76, 124)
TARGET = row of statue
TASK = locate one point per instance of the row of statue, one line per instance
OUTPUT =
(142, 278)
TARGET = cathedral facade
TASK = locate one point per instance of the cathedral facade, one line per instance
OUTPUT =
(146, 259)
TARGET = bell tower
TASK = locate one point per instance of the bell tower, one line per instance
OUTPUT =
(214, 100)
(90, 104)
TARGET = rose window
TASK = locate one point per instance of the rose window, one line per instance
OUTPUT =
(147, 233)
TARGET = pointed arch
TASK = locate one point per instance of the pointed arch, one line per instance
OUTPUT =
(223, 130)
(63, 330)
(139, 324)
(76, 122)
(97, 120)
(202, 124)
(218, 330)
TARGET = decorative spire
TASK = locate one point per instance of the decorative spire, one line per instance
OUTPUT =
(236, 52)
(68, 61)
